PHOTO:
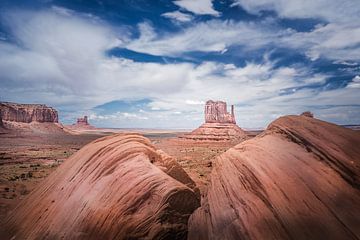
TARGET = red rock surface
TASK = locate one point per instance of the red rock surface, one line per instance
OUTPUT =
(216, 112)
(116, 187)
(27, 113)
(300, 179)
(1, 122)
(217, 132)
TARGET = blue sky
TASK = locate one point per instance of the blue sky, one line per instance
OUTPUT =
(153, 64)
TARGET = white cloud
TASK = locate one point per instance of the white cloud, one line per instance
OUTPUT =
(328, 10)
(61, 60)
(210, 36)
(178, 16)
(355, 83)
(201, 7)
(333, 41)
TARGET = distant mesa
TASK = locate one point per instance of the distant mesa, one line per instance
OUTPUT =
(116, 187)
(29, 118)
(220, 125)
(300, 179)
(82, 123)
(27, 113)
(307, 114)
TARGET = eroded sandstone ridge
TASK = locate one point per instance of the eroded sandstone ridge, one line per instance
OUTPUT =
(220, 125)
(27, 113)
(300, 179)
(117, 187)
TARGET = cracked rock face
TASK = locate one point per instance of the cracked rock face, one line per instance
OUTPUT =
(116, 187)
(300, 179)
(27, 113)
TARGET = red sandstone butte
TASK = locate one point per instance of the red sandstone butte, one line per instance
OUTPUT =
(81, 124)
(116, 187)
(220, 125)
(216, 112)
(27, 113)
(300, 179)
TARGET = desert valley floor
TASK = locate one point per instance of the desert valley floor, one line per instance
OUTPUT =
(27, 158)
(297, 179)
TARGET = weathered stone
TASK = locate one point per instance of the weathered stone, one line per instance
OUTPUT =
(27, 113)
(1, 122)
(300, 179)
(307, 114)
(82, 121)
(219, 125)
(216, 112)
(116, 187)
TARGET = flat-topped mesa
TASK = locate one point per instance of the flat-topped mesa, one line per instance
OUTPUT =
(82, 121)
(27, 113)
(216, 112)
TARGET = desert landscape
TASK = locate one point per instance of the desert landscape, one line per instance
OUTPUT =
(179, 119)
(82, 182)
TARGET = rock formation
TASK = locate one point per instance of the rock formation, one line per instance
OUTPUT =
(216, 112)
(1, 122)
(300, 179)
(117, 187)
(219, 125)
(27, 113)
(81, 124)
(307, 114)
(82, 121)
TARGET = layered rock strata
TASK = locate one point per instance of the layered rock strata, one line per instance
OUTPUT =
(27, 113)
(219, 125)
(117, 187)
(300, 179)
(216, 112)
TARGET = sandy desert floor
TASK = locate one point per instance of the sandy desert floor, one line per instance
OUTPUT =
(27, 158)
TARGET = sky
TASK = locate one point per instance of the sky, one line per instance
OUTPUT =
(153, 64)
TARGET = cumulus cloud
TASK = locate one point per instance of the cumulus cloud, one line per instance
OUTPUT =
(201, 7)
(178, 16)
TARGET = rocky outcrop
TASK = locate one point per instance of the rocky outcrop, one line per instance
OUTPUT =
(117, 187)
(82, 121)
(81, 124)
(216, 112)
(27, 113)
(300, 179)
(219, 125)
(1, 122)
(217, 132)
(307, 114)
